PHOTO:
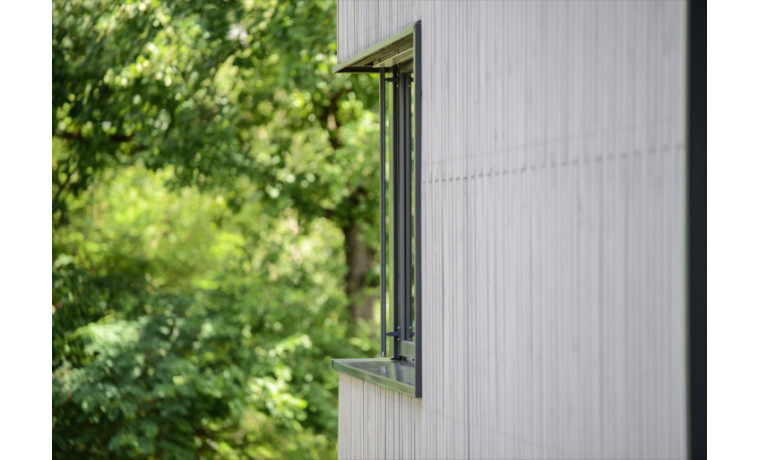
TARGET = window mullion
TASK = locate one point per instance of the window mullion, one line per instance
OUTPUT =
(407, 201)
(383, 219)
(403, 221)
(397, 264)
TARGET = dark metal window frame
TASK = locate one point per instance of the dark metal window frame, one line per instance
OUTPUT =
(399, 57)
(401, 268)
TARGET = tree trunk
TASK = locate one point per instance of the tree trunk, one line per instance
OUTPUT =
(359, 258)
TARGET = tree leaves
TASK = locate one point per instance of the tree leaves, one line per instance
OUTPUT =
(206, 167)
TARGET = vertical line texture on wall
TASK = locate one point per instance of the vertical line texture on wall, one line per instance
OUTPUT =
(553, 223)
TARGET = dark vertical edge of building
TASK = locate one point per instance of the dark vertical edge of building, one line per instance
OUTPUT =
(418, 207)
(696, 179)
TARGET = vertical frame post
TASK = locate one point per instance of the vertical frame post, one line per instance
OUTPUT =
(397, 261)
(382, 215)
(418, 207)
(404, 206)
(405, 87)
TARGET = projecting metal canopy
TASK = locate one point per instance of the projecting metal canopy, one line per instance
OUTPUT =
(394, 50)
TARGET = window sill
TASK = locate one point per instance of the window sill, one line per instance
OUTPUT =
(396, 375)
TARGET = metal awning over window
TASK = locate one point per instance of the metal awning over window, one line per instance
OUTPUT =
(395, 50)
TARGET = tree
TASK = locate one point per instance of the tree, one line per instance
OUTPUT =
(206, 163)
(220, 91)
(175, 336)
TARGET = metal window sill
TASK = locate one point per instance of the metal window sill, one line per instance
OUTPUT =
(396, 375)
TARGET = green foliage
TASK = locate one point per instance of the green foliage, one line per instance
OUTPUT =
(217, 90)
(175, 336)
(206, 165)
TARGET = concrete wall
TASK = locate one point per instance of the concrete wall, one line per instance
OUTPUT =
(554, 233)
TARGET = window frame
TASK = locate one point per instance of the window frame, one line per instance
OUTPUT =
(401, 54)
(403, 211)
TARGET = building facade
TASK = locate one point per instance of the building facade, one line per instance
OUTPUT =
(553, 232)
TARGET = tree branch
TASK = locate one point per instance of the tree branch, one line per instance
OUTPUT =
(329, 118)
(69, 174)
(80, 137)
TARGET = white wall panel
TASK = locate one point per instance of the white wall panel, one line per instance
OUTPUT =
(554, 232)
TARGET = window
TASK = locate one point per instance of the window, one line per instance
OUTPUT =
(397, 60)
(397, 235)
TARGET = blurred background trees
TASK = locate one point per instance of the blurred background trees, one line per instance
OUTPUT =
(214, 200)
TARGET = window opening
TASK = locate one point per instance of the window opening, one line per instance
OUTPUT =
(397, 60)
(399, 224)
